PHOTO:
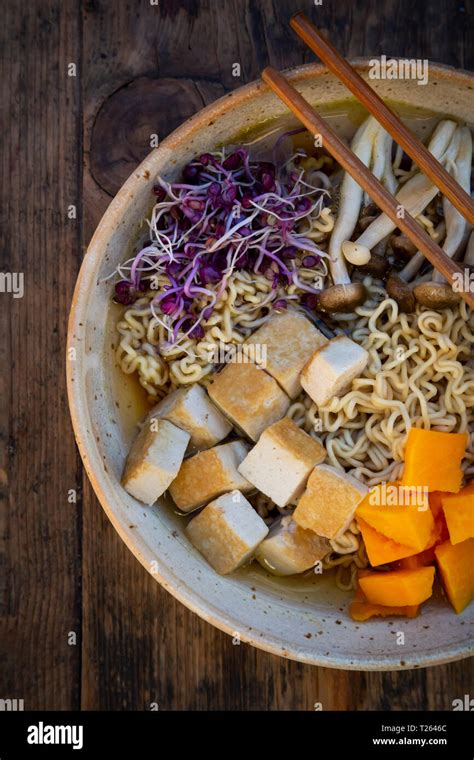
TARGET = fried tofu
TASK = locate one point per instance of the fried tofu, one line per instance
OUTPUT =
(154, 460)
(333, 367)
(249, 397)
(192, 410)
(209, 474)
(289, 340)
(227, 532)
(289, 549)
(280, 464)
(328, 504)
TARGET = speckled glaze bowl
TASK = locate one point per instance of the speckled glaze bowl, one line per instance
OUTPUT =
(303, 619)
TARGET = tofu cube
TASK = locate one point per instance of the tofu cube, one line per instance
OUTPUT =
(280, 464)
(192, 410)
(333, 367)
(289, 549)
(209, 474)
(328, 504)
(154, 460)
(288, 340)
(227, 532)
(251, 399)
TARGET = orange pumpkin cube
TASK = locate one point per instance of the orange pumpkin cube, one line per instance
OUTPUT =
(398, 588)
(433, 460)
(456, 568)
(424, 558)
(380, 549)
(410, 525)
(418, 560)
(459, 513)
(360, 609)
(436, 506)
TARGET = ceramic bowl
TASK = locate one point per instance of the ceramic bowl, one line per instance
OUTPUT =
(303, 619)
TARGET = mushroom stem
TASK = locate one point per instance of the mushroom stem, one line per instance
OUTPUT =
(381, 163)
(455, 223)
(418, 192)
(389, 179)
(438, 293)
(416, 262)
(350, 202)
(370, 148)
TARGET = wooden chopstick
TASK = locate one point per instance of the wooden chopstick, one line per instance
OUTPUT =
(387, 118)
(354, 166)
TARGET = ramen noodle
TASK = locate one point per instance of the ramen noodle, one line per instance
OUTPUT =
(420, 369)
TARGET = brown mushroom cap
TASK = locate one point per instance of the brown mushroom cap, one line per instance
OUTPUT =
(342, 298)
(402, 293)
(364, 222)
(402, 246)
(436, 295)
(377, 266)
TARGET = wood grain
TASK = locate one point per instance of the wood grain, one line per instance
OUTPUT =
(138, 645)
(137, 115)
(39, 464)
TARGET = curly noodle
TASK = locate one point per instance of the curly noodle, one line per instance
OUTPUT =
(418, 375)
(244, 303)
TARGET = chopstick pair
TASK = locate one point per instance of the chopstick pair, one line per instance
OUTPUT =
(354, 166)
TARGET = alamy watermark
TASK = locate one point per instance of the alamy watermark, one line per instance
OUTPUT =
(463, 282)
(232, 353)
(391, 495)
(42, 733)
(466, 703)
(12, 705)
(399, 68)
(12, 282)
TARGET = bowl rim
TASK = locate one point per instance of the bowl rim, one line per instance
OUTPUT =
(78, 404)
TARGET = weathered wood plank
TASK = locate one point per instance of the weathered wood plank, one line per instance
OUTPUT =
(40, 177)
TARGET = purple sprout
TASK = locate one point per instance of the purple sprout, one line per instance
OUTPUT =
(197, 332)
(160, 193)
(233, 162)
(310, 261)
(209, 274)
(310, 301)
(124, 293)
(289, 252)
(169, 305)
(198, 237)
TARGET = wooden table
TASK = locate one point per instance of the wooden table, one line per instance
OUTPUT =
(84, 625)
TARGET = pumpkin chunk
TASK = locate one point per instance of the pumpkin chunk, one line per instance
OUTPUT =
(409, 523)
(457, 572)
(398, 588)
(380, 549)
(459, 513)
(418, 560)
(436, 506)
(360, 609)
(433, 460)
